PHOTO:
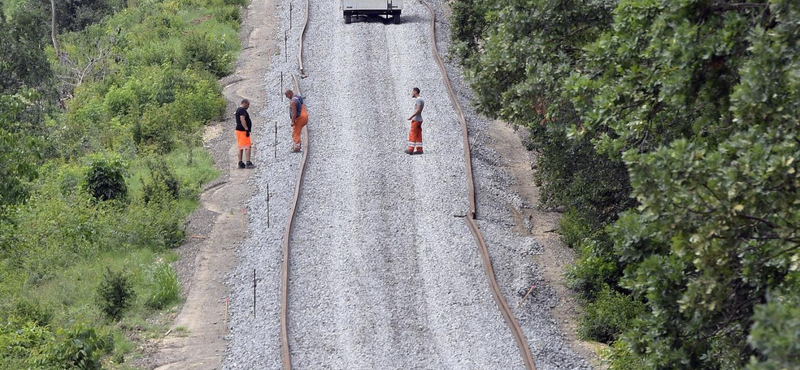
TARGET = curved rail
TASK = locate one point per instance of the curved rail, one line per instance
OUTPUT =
(502, 305)
(505, 310)
(285, 354)
(302, 37)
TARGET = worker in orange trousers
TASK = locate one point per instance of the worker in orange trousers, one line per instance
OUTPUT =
(415, 134)
(299, 117)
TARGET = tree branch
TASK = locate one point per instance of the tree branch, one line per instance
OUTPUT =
(727, 7)
(53, 26)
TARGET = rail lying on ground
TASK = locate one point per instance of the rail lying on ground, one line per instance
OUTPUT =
(285, 355)
(502, 305)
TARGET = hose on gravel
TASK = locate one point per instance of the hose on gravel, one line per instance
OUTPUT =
(505, 310)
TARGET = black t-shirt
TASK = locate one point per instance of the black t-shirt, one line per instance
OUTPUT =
(242, 112)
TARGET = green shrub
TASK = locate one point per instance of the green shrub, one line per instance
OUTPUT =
(156, 225)
(163, 288)
(776, 328)
(609, 316)
(115, 294)
(80, 347)
(105, 177)
(208, 53)
(29, 311)
(227, 14)
(19, 338)
(573, 228)
(593, 270)
(155, 130)
(162, 184)
(619, 357)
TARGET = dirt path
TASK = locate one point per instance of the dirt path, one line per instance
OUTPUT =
(196, 339)
(541, 224)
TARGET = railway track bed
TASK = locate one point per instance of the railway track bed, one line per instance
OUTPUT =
(383, 272)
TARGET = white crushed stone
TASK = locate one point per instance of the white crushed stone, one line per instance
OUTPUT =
(383, 275)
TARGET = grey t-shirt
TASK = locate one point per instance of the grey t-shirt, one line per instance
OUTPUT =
(421, 104)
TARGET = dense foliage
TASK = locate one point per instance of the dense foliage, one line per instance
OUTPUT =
(669, 131)
(115, 293)
(99, 145)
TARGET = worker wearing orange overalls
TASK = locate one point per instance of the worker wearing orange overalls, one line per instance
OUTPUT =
(415, 134)
(299, 117)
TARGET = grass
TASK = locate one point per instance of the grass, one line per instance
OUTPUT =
(70, 292)
(73, 292)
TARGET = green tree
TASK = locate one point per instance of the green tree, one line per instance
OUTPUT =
(18, 152)
(22, 58)
(692, 109)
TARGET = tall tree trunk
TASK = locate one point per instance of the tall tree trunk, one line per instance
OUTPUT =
(53, 27)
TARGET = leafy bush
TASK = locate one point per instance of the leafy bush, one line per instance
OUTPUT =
(573, 228)
(163, 288)
(162, 184)
(776, 328)
(18, 153)
(115, 294)
(593, 270)
(18, 337)
(155, 131)
(29, 311)
(208, 53)
(608, 316)
(156, 225)
(80, 347)
(105, 178)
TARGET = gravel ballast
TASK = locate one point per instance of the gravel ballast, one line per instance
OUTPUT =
(384, 271)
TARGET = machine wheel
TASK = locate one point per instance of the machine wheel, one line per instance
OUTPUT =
(396, 17)
(348, 17)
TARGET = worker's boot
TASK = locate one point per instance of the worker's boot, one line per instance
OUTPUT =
(241, 164)
(409, 151)
(250, 165)
(419, 150)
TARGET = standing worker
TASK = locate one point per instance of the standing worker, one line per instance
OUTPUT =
(415, 135)
(243, 127)
(299, 117)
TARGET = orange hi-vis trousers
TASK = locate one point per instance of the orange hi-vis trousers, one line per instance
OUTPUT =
(415, 137)
(300, 122)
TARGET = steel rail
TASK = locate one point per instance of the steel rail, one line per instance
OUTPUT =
(285, 354)
(502, 305)
(302, 37)
(505, 310)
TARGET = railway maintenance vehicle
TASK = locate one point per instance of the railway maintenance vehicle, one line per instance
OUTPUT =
(387, 8)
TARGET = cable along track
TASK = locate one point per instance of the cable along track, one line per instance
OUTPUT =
(502, 305)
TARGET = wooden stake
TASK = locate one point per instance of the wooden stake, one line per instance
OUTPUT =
(254, 292)
(526, 296)
(268, 205)
(226, 312)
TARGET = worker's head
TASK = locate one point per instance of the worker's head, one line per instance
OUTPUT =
(245, 103)
(289, 93)
(415, 92)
